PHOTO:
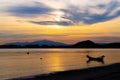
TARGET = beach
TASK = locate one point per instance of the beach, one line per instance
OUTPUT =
(107, 72)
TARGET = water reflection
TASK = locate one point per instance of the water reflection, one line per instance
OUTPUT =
(16, 62)
(54, 62)
(88, 61)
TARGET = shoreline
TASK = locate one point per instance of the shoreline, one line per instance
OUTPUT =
(108, 72)
(59, 48)
(62, 48)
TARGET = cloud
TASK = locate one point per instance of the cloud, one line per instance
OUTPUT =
(62, 23)
(106, 39)
(4, 35)
(87, 16)
(74, 13)
(29, 11)
(91, 14)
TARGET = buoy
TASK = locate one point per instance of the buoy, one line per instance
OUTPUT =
(28, 53)
(41, 58)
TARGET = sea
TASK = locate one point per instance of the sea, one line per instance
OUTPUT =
(15, 63)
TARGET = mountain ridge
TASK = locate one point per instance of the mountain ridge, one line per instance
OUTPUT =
(55, 44)
(38, 42)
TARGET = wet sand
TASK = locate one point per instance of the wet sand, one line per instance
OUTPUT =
(108, 72)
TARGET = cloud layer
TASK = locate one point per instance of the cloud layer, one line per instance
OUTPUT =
(29, 11)
(74, 12)
(62, 23)
(92, 14)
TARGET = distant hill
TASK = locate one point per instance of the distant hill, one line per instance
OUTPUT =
(17, 43)
(90, 44)
(113, 45)
(53, 44)
(47, 43)
(86, 44)
(36, 43)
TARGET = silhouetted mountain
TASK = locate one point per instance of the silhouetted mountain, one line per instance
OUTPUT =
(37, 43)
(17, 43)
(47, 43)
(111, 45)
(85, 44)
(53, 44)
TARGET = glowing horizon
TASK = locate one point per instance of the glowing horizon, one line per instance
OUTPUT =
(67, 21)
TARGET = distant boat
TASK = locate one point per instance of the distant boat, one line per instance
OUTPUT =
(41, 58)
(28, 53)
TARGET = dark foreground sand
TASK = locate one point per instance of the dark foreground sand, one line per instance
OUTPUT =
(109, 72)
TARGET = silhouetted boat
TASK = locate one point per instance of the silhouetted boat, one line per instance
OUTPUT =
(98, 59)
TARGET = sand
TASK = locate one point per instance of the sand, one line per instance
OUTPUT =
(108, 72)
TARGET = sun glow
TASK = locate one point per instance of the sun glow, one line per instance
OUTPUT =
(57, 27)
(57, 18)
(67, 21)
(58, 15)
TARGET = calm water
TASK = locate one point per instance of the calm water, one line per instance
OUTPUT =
(16, 63)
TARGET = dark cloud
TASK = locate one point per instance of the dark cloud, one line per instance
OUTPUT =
(13, 35)
(29, 11)
(84, 34)
(63, 23)
(106, 39)
(74, 14)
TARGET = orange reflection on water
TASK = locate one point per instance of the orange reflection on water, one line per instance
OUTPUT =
(54, 62)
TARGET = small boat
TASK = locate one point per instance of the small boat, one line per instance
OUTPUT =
(99, 59)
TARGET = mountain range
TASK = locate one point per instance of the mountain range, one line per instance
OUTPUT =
(53, 44)
(39, 43)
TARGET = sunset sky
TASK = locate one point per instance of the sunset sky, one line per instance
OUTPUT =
(67, 21)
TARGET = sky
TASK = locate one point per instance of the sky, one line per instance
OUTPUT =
(67, 21)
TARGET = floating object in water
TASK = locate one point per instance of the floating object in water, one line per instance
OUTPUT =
(98, 59)
(41, 58)
(28, 53)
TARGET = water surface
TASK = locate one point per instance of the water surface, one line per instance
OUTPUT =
(17, 63)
